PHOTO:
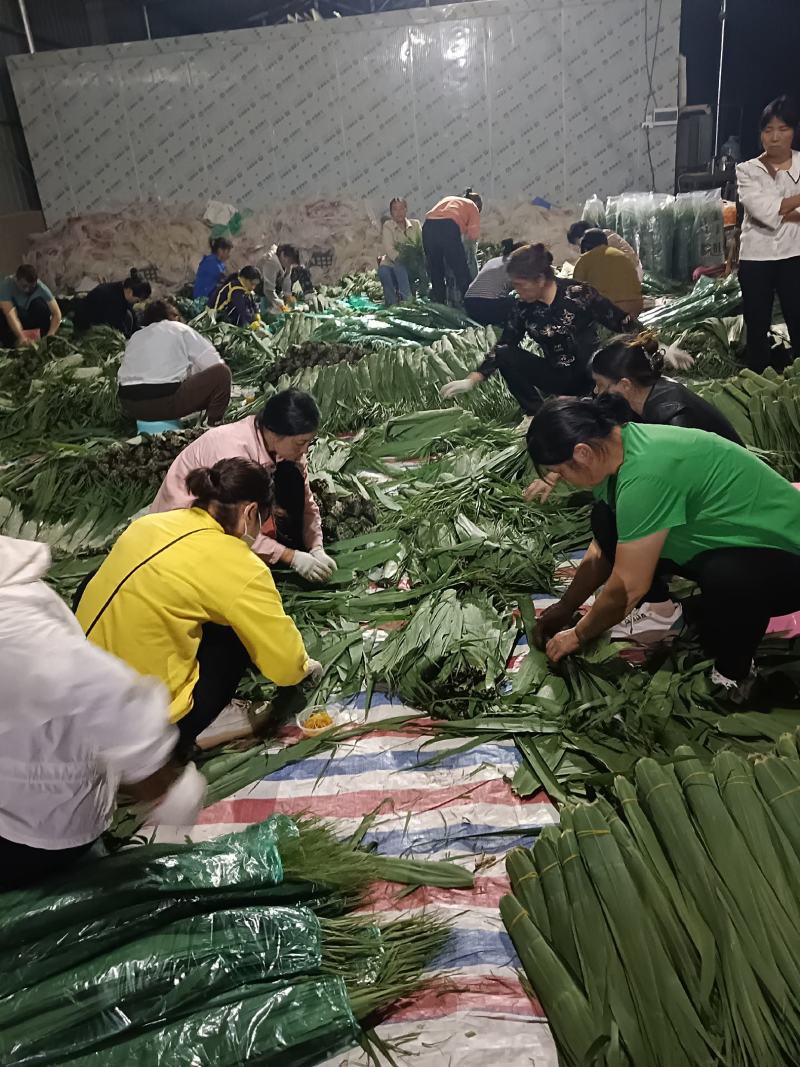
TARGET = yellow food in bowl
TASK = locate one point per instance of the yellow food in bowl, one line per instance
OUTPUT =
(318, 721)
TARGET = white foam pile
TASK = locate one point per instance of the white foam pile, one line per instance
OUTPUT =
(336, 237)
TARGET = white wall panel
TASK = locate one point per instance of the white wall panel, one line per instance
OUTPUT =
(508, 96)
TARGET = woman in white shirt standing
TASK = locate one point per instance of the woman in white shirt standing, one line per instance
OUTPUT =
(769, 258)
(398, 230)
(168, 371)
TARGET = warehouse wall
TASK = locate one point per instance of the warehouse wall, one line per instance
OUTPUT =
(509, 99)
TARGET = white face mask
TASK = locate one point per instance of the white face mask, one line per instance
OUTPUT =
(249, 539)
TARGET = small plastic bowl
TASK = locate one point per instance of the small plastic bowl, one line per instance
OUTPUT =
(304, 716)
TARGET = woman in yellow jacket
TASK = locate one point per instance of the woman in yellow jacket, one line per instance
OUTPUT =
(181, 597)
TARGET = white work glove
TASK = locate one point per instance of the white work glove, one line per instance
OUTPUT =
(314, 672)
(325, 559)
(309, 567)
(461, 385)
(183, 801)
(676, 359)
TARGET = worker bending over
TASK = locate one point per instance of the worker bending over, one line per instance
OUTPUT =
(631, 366)
(610, 272)
(278, 439)
(76, 725)
(169, 370)
(562, 317)
(489, 300)
(577, 230)
(685, 502)
(181, 597)
(26, 304)
(111, 304)
(451, 223)
(234, 298)
(295, 278)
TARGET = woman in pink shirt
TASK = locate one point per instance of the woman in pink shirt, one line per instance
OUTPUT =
(452, 220)
(277, 438)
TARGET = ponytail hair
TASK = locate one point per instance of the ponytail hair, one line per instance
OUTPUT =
(229, 484)
(639, 358)
(476, 198)
(138, 285)
(564, 423)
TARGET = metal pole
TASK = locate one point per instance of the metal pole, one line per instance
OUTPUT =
(146, 18)
(723, 18)
(23, 14)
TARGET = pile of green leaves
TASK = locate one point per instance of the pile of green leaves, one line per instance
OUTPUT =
(450, 658)
(764, 409)
(662, 926)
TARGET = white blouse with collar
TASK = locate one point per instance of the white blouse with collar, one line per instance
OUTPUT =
(765, 233)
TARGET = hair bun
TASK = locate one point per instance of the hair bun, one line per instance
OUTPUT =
(202, 483)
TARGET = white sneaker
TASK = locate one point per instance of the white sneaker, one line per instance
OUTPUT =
(738, 692)
(646, 622)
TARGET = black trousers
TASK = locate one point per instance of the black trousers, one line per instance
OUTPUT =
(488, 312)
(35, 317)
(441, 239)
(761, 282)
(23, 865)
(531, 379)
(222, 659)
(741, 590)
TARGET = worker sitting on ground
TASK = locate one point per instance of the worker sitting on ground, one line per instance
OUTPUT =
(168, 371)
(562, 317)
(610, 272)
(684, 502)
(181, 597)
(26, 304)
(111, 304)
(211, 268)
(576, 233)
(75, 725)
(278, 439)
(234, 300)
(295, 279)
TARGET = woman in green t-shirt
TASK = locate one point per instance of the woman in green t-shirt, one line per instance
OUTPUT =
(687, 502)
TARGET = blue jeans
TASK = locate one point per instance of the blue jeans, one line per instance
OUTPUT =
(394, 279)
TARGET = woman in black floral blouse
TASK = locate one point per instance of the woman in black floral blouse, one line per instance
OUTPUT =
(562, 317)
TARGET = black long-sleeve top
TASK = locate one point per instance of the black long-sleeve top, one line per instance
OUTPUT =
(105, 305)
(565, 330)
(672, 404)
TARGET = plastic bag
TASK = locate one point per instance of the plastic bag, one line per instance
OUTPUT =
(594, 212)
(612, 213)
(683, 237)
(245, 860)
(708, 299)
(656, 233)
(708, 232)
(280, 1025)
(164, 976)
